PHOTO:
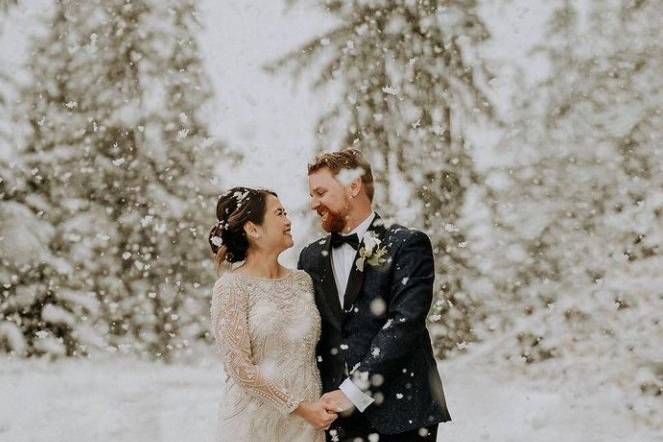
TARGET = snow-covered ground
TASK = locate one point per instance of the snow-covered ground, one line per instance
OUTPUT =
(124, 400)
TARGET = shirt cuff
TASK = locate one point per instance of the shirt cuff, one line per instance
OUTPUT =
(358, 398)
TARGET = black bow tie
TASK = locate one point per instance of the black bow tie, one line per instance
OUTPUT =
(337, 240)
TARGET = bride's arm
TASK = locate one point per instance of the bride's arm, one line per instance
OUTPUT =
(230, 326)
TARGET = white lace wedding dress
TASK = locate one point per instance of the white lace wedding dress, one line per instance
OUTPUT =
(266, 332)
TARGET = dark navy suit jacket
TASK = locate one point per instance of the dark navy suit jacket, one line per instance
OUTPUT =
(380, 332)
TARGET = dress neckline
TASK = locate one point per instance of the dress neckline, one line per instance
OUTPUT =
(260, 278)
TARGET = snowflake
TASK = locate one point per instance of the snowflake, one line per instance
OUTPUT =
(390, 90)
(378, 306)
(182, 133)
(450, 228)
(147, 220)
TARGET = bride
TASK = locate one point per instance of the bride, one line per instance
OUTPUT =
(266, 326)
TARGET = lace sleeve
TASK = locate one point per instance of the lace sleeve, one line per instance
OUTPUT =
(231, 330)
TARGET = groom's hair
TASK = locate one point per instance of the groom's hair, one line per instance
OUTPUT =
(348, 159)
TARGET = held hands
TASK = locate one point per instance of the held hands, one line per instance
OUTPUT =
(323, 413)
(336, 401)
(316, 414)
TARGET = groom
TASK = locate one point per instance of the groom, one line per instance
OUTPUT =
(373, 288)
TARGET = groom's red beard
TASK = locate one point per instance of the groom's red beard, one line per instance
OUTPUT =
(330, 221)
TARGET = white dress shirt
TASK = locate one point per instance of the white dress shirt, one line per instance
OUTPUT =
(343, 259)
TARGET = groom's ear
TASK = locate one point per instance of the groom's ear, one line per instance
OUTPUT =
(355, 187)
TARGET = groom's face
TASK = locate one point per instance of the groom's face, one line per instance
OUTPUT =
(329, 198)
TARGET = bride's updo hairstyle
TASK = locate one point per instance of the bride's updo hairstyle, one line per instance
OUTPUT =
(235, 208)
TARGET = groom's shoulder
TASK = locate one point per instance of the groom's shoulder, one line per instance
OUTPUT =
(399, 234)
(314, 246)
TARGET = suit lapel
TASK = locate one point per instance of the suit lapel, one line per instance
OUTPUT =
(356, 278)
(329, 283)
(355, 282)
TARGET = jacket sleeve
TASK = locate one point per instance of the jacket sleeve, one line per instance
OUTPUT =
(301, 260)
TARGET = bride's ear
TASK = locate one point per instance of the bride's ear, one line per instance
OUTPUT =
(252, 231)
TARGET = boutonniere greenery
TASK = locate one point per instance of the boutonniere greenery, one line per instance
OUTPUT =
(372, 252)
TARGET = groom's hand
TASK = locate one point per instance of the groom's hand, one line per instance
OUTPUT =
(336, 401)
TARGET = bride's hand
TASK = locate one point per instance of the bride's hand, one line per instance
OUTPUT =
(316, 414)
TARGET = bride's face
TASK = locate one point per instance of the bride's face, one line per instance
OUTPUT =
(275, 229)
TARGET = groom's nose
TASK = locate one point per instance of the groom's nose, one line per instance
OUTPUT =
(314, 203)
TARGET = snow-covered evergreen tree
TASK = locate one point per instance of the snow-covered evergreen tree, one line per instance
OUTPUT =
(32, 317)
(120, 154)
(409, 84)
(5, 82)
(580, 214)
(5, 4)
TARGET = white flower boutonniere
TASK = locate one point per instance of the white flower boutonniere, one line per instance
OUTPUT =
(372, 252)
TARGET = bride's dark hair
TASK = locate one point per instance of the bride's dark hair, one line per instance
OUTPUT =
(234, 209)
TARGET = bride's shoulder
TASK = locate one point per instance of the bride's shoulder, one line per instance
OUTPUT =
(301, 276)
(224, 282)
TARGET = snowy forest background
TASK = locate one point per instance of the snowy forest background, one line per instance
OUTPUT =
(522, 136)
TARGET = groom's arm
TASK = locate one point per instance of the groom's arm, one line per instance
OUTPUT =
(411, 299)
(300, 260)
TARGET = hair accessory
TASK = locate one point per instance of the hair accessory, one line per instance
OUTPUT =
(217, 241)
